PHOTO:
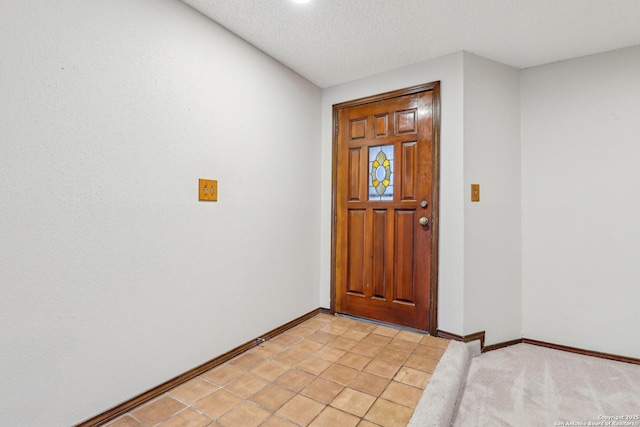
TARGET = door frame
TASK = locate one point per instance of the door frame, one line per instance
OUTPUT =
(435, 223)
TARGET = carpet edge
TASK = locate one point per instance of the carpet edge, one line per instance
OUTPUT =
(439, 401)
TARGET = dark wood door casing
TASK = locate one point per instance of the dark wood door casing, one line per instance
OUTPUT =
(397, 216)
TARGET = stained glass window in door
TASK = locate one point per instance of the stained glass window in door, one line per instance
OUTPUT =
(380, 173)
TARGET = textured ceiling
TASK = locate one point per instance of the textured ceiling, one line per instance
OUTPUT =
(334, 41)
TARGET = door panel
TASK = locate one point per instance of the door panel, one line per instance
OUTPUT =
(409, 169)
(381, 125)
(404, 257)
(384, 164)
(406, 121)
(357, 246)
(354, 175)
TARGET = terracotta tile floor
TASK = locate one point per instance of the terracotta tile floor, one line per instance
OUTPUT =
(328, 371)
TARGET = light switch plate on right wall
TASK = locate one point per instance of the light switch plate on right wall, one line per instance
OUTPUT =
(475, 192)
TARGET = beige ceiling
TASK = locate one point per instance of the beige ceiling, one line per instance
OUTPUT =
(335, 41)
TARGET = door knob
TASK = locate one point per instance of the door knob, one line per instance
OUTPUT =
(423, 221)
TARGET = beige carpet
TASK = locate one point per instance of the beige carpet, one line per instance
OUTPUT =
(526, 385)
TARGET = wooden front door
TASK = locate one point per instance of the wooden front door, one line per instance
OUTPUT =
(385, 207)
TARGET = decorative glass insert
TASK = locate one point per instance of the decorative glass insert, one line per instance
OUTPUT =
(381, 168)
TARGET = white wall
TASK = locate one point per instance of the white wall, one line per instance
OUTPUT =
(492, 243)
(581, 228)
(114, 277)
(448, 70)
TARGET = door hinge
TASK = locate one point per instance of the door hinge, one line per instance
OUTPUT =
(336, 128)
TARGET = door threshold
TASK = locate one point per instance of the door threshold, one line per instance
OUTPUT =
(377, 322)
